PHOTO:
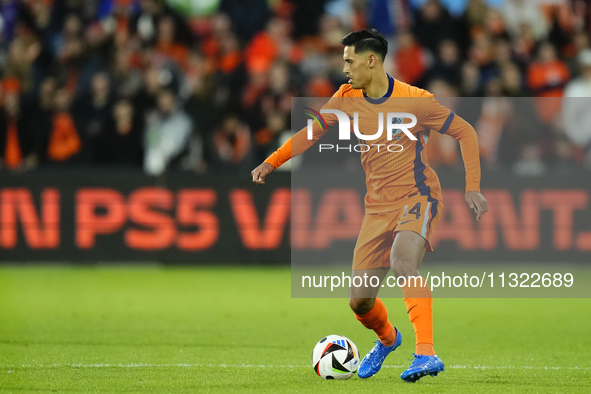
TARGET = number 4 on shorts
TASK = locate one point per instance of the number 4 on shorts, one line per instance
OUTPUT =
(416, 210)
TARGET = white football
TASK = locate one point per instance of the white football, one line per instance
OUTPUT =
(335, 357)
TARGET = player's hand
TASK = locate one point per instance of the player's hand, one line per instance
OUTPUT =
(259, 173)
(477, 202)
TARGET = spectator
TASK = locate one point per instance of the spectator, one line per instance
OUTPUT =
(21, 56)
(495, 114)
(440, 149)
(120, 144)
(92, 113)
(249, 16)
(15, 144)
(530, 163)
(575, 109)
(495, 24)
(145, 23)
(335, 70)
(41, 119)
(39, 12)
(64, 142)
(521, 127)
(580, 42)
(75, 69)
(202, 109)
(548, 75)
(229, 56)
(319, 86)
(494, 87)
(434, 24)
(8, 15)
(503, 53)
(160, 73)
(167, 45)
(272, 44)
(331, 32)
(127, 80)
(581, 86)
(512, 84)
(547, 78)
(481, 53)
(232, 143)
(266, 138)
(411, 59)
(447, 67)
(195, 159)
(71, 30)
(458, 7)
(520, 13)
(167, 134)
(471, 82)
(230, 75)
(276, 97)
(565, 163)
(524, 44)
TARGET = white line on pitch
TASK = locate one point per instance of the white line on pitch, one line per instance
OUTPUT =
(146, 365)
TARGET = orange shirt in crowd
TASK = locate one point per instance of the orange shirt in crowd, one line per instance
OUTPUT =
(177, 52)
(411, 63)
(64, 141)
(548, 80)
(13, 157)
(260, 53)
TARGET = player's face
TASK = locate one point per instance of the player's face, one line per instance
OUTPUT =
(356, 67)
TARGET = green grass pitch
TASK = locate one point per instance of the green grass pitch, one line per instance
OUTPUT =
(224, 330)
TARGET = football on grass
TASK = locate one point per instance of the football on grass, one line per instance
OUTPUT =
(335, 357)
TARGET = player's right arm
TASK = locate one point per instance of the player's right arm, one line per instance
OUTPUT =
(295, 145)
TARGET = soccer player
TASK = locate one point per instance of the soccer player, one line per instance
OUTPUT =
(403, 201)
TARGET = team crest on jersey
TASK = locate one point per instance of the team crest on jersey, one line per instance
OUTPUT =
(396, 132)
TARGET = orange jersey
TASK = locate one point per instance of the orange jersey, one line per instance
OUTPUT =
(399, 167)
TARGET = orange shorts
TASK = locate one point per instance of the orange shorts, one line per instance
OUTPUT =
(419, 214)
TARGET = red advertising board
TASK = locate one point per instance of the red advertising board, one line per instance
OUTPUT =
(125, 216)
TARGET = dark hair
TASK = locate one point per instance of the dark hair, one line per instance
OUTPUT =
(367, 40)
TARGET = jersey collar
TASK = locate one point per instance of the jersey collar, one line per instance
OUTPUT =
(385, 97)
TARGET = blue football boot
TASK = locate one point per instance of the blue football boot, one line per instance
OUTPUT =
(372, 362)
(422, 366)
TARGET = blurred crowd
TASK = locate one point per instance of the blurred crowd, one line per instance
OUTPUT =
(205, 85)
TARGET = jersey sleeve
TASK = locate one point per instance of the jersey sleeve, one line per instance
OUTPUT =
(434, 116)
(466, 135)
(299, 142)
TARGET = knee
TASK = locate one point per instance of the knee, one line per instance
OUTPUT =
(403, 268)
(361, 305)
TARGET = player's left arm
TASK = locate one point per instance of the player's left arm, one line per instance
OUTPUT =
(438, 118)
(466, 135)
